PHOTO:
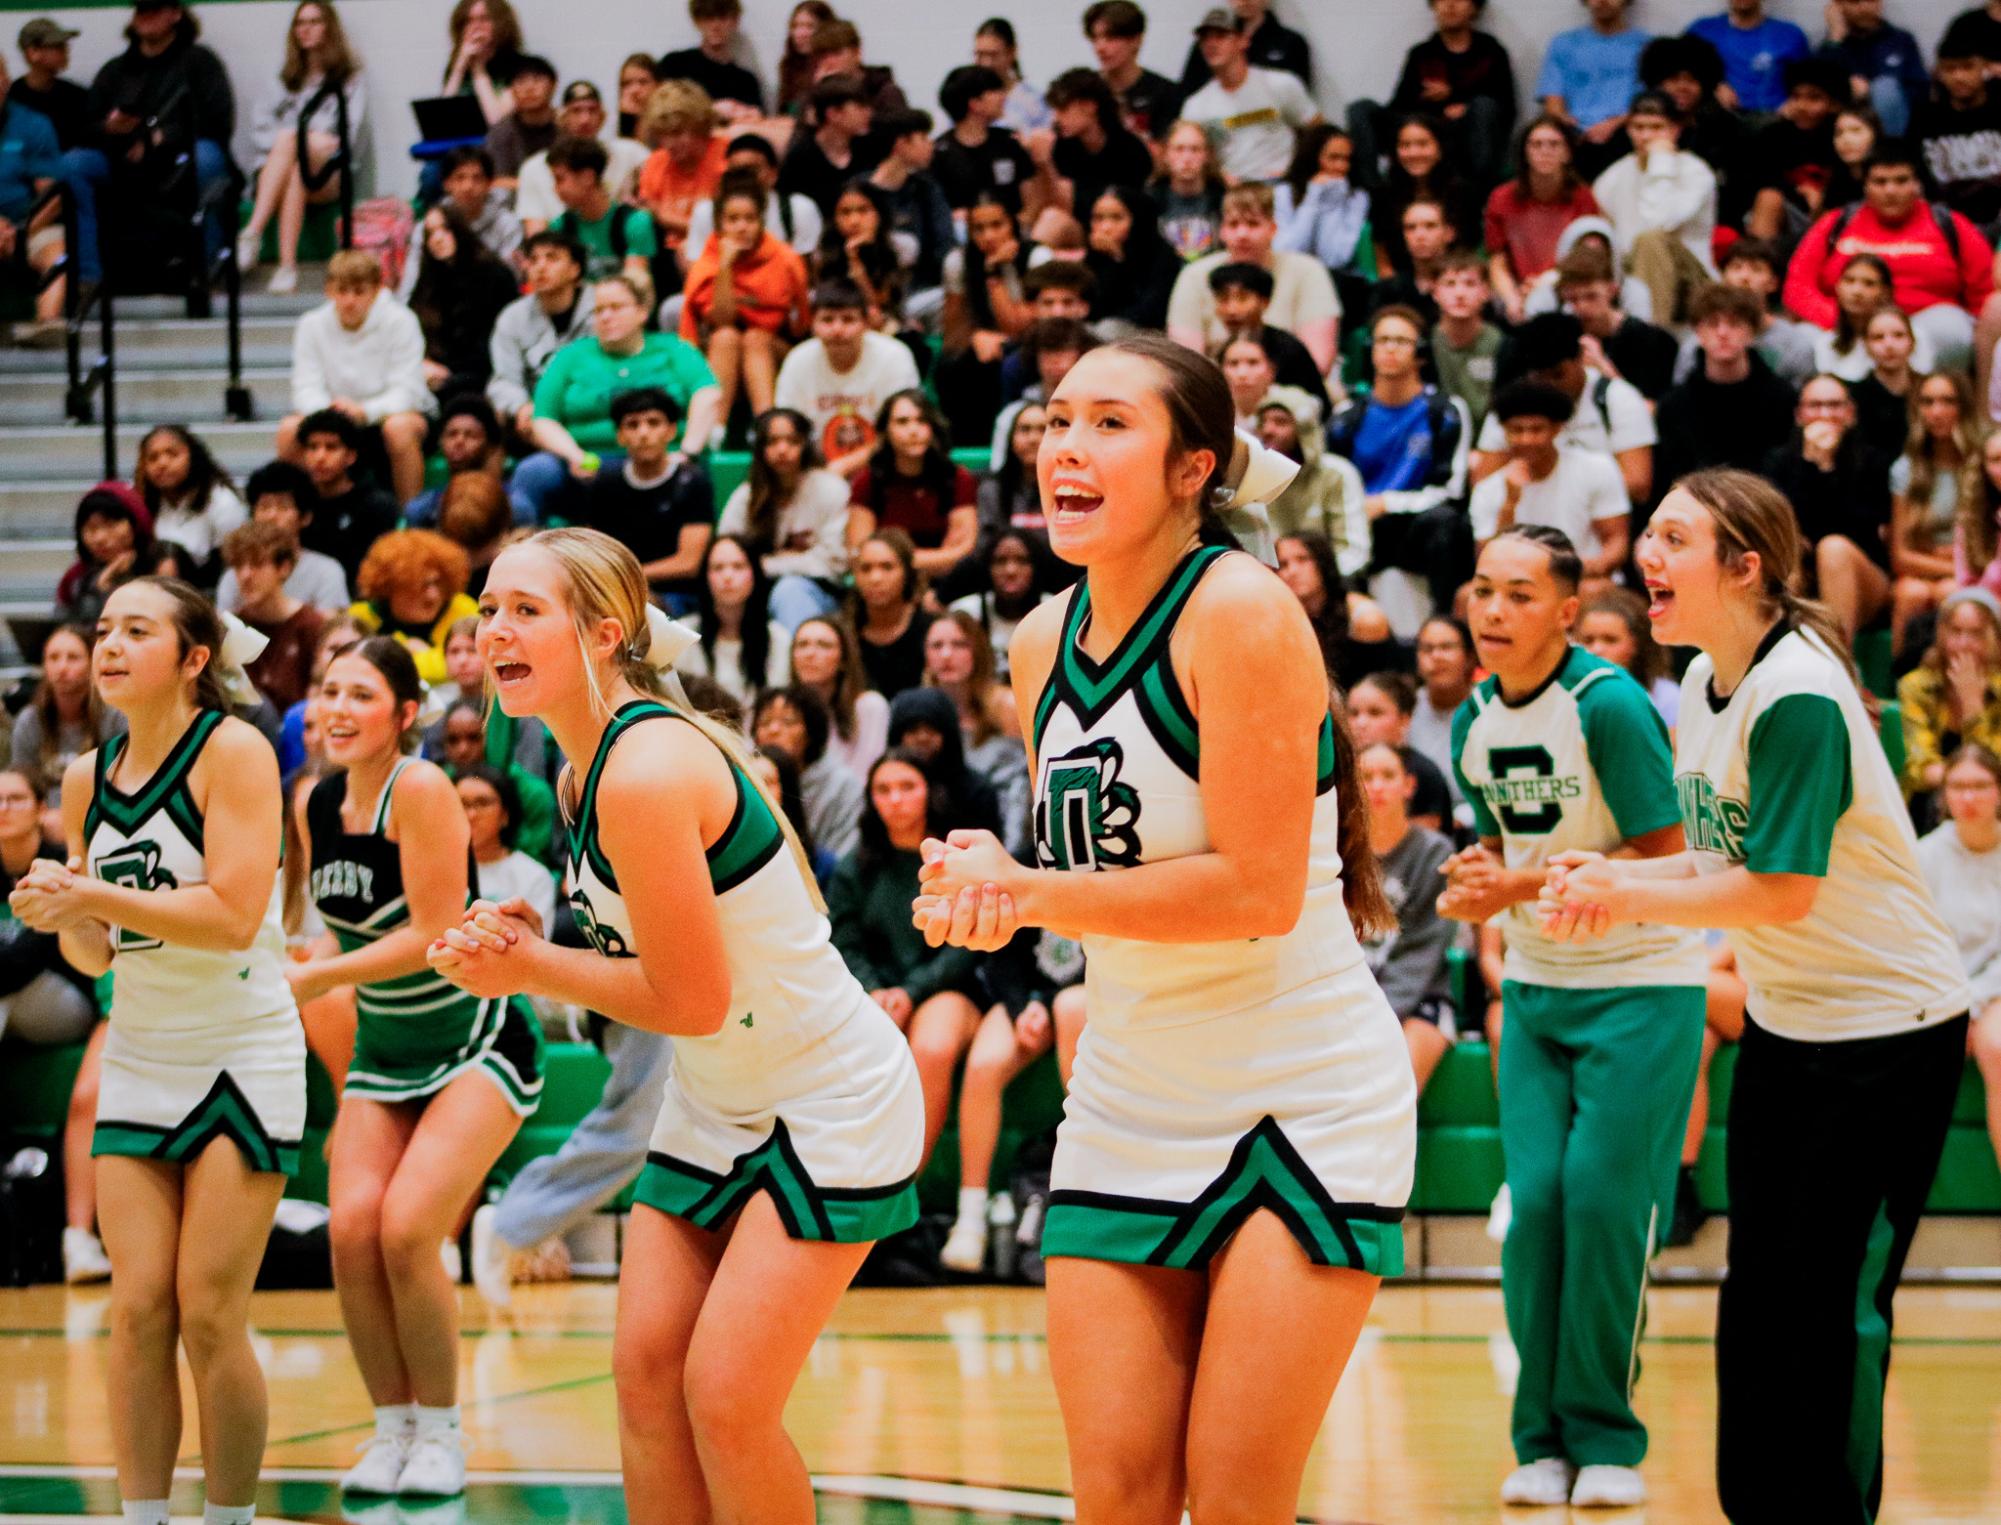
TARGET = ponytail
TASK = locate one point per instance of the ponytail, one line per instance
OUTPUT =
(1369, 909)
(1810, 617)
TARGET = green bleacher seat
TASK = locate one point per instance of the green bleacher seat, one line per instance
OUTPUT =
(34, 1091)
(318, 240)
(1872, 656)
(1032, 1104)
(1890, 729)
(727, 470)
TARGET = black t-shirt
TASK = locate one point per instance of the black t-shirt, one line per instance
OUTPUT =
(1124, 160)
(808, 172)
(1882, 417)
(1793, 161)
(648, 520)
(723, 81)
(1962, 155)
(65, 103)
(1852, 500)
(1482, 70)
(1644, 355)
(1150, 106)
(1000, 165)
(344, 527)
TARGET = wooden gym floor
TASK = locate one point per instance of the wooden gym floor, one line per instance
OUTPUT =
(935, 1406)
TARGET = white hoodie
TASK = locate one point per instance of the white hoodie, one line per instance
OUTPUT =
(379, 365)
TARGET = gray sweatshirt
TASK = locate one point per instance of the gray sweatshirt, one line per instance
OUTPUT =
(1409, 963)
(1966, 886)
(523, 340)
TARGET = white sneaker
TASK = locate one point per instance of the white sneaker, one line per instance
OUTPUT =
(492, 1259)
(84, 1259)
(437, 1465)
(1501, 1215)
(249, 246)
(284, 281)
(380, 1467)
(965, 1247)
(1539, 1482)
(1602, 1487)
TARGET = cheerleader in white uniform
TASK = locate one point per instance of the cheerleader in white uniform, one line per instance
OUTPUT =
(172, 884)
(792, 1123)
(1236, 1151)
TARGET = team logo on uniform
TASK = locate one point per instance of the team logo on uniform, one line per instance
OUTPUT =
(607, 940)
(1525, 790)
(1086, 819)
(136, 866)
(1715, 823)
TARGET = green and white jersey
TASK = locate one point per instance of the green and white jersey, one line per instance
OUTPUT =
(1580, 765)
(790, 993)
(153, 839)
(1117, 756)
(1786, 776)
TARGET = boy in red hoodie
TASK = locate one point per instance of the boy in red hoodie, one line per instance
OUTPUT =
(1941, 266)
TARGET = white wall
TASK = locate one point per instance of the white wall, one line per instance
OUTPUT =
(1357, 44)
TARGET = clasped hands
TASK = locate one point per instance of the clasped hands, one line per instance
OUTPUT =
(1580, 897)
(51, 896)
(487, 953)
(968, 892)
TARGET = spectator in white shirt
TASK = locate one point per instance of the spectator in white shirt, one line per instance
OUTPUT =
(841, 377)
(1303, 300)
(581, 115)
(1577, 491)
(1251, 114)
(1662, 202)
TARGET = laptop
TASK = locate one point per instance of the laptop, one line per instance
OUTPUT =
(449, 118)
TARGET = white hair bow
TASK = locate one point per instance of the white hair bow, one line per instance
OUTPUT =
(666, 639)
(1257, 475)
(240, 647)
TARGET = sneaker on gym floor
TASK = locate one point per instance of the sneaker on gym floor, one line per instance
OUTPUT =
(965, 1247)
(381, 1466)
(1603, 1487)
(284, 281)
(492, 1259)
(437, 1465)
(84, 1259)
(1546, 1481)
(1501, 1215)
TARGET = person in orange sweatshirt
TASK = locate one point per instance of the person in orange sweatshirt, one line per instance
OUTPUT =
(744, 301)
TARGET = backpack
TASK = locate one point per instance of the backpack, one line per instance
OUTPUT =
(1941, 215)
(663, 267)
(383, 227)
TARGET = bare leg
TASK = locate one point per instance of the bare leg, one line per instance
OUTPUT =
(1278, 1335)
(1427, 1047)
(286, 446)
(403, 437)
(669, 1264)
(79, 1179)
(995, 1060)
(762, 352)
(1850, 584)
(460, 1133)
(770, 1298)
(940, 1029)
(272, 180)
(369, 1138)
(142, 1229)
(1135, 1331)
(227, 1219)
(292, 210)
(49, 303)
(726, 360)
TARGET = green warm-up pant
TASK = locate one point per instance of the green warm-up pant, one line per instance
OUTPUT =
(1594, 1089)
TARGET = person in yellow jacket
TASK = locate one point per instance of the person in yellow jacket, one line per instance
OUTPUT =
(413, 587)
(1953, 696)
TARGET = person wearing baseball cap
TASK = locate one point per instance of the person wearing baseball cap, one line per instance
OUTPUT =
(45, 50)
(1251, 113)
(580, 114)
(1271, 45)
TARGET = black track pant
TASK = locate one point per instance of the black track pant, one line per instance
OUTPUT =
(1833, 1147)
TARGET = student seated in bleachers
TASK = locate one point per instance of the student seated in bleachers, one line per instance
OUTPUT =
(722, 63)
(742, 649)
(686, 165)
(1465, 347)
(841, 377)
(1614, 625)
(1188, 189)
(793, 721)
(281, 494)
(165, 94)
(1935, 486)
(745, 300)
(462, 743)
(959, 663)
(529, 126)
(42, 88)
(530, 329)
(486, 52)
(30, 162)
(1577, 491)
(469, 440)
(348, 515)
(926, 992)
(1753, 265)
(834, 147)
(62, 720)
(361, 354)
(794, 218)
(460, 291)
(316, 54)
(1353, 636)
(1380, 707)
(1526, 216)
(493, 811)
(1961, 861)
(656, 502)
(1616, 344)
(1087, 146)
(193, 502)
(469, 190)
(911, 483)
(412, 586)
(1326, 497)
(793, 512)
(475, 515)
(1953, 696)
(919, 217)
(46, 1002)
(1446, 668)
(114, 544)
(1252, 111)
(1133, 265)
(1839, 487)
(855, 247)
(261, 556)
(826, 658)
(1242, 293)
(1661, 200)
(1610, 417)
(581, 115)
(1409, 962)
(1303, 300)
(615, 237)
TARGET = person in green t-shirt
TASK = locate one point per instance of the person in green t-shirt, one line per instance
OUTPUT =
(1464, 344)
(617, 238)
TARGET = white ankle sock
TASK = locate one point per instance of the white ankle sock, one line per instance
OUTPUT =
(145, 1511)
(431, 1421)
(972, 1204)
(228, 1514)
(396, 1419)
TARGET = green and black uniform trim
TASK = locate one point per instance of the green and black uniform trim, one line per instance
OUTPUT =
(1265, 1171)
(167, 788)
(223, 1113)
(751, 840)
(1142, 663)
(855, 1215)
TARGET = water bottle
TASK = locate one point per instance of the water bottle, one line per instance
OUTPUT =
(1002, 1247)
